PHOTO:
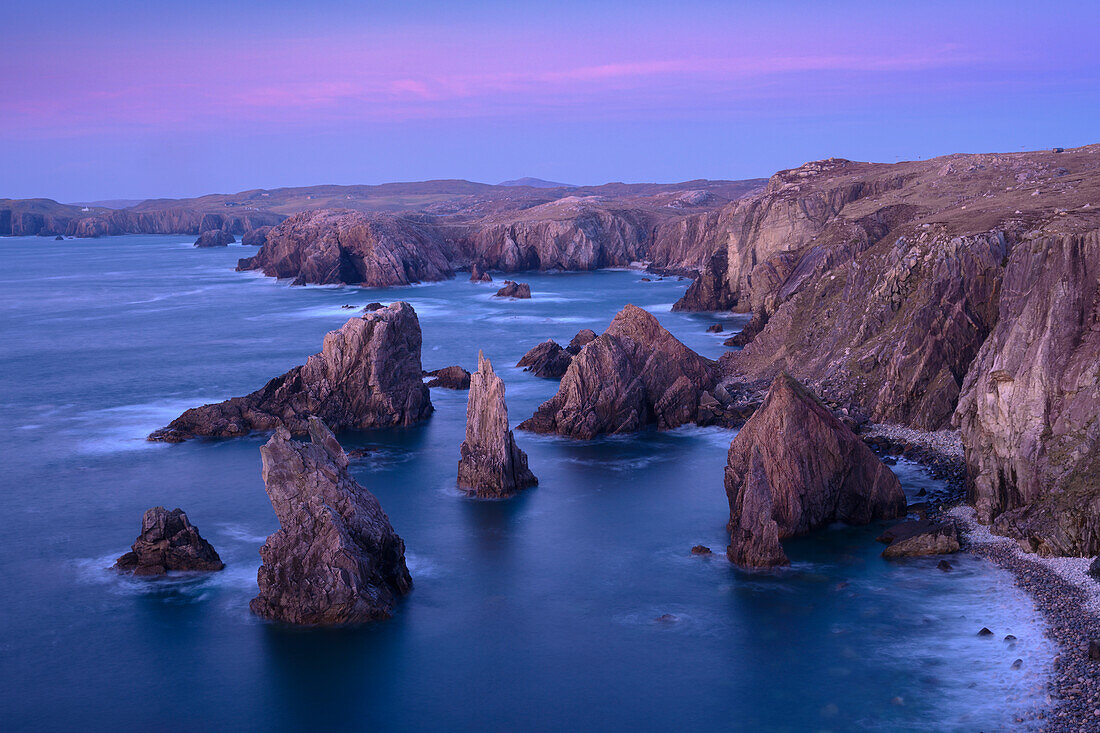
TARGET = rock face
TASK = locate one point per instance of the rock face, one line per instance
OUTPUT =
(710, 291)
(215, 238)
(1030, 401)
(514, 290)
(582, 339)
(492, 465)
(367, 375)
(794, 468)
(168, 541)
(335, 559)
(635, 374)
(547, 360)
(452, 377)
(919, 537)
(256, 238)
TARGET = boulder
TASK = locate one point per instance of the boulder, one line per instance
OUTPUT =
(335, 559)
(920, 537)
(215, 238)
(168, 541)
(367, 375)
(452, 377)
(634, 375)
(794, 468)
(548, 360)
(370, 307)
(582, 339)
(491, 464)
(514, 290)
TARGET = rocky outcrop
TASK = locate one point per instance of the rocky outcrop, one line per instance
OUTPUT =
(1031, 401)
(257, 237)
(918, 537)
(477, 275)
(335, 246)
(635, 374)
(491, 464)
(710, 291)
(168, 541)
(215, 238)
(794, 468)
(582, 339)
(547, 360)
(452, 377)
(367, 375)
(514, 290)
(335, 559)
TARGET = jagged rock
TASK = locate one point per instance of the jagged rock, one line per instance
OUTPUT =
(582, 339)
(492, 465)
(794, 468)
(335, 558)
(710, 291)
(168, 541)
(370, 307)
(452, 377)
(478, 275)
(635, 374)
(714, 328)
(367, 375)
(1028, 414)
(548, 360)
(215, 238)
(255, 237)
(59, 238)
(514, 290)
(920, 537)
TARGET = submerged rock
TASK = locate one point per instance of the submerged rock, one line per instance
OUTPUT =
(635, 374)
(492, 465)
(367, 375)
(794, 468)
(452, 377)
(335, 558)
(514, 290)
(920, 537)
(168, 541)
(215, 238)
(548, 360)
(582, 339)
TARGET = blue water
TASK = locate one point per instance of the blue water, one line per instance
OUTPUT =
(543, 612)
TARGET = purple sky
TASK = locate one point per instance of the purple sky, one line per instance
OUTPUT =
(133, 100)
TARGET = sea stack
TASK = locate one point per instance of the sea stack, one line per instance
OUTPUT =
(367, 375)
(794, 468)
(168, 541)
(547, 360)
(514, 290)
(215, 238)
(492, 465)
(335, 559)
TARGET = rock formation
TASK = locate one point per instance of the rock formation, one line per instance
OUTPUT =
(335, 558)
(452, 377)
(367, 375)
(710, 291)
(919, 537)
(168, 541)
(1031, 401)
(215, 238)
(547, 360)
(582, 339)
(514, 290)
(477, 275)
(794, 468)
(257, 237)
(492, 465)
(635, 374)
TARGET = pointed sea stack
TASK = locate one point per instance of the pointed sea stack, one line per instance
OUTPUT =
(335, 559)
(794, 468)
(367, 375)
(168, 541)
(492, 465)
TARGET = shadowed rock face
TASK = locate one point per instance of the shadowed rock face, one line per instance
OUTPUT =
(582, 339)
(492, 465)
(547, 360)
(794, 468)
(710, 291)
(255, 238)
(635, 374)
(168, 541)
(335, 558)
(367, 375)
(514, 290)
(452, 377)
(1031, 401)
(215, 238)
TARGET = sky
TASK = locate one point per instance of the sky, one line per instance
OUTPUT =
(134, 100)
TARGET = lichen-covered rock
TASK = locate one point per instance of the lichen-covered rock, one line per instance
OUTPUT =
(514, 290)
(635, 374)
(452, 377)
(547, 360)
(918, 537)
(168, 541)
(1030, 410)
(335, 559)
(582, 339)
(491, 464)
(367, 375)
(794, 468)
(215, 238)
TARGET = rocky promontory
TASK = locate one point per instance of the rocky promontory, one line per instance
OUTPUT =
(491, 464)
(794, 468)
(215, 238)
(335, 559)
(168, 541)
(367, 375)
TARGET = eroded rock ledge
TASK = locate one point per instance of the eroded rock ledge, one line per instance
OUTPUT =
(367, 375)
(168, 541)
(335, 559)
